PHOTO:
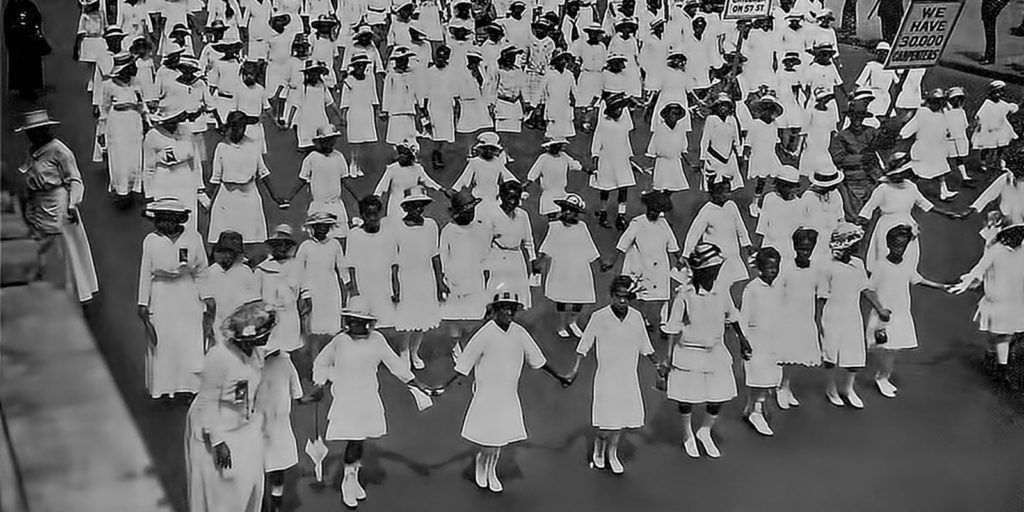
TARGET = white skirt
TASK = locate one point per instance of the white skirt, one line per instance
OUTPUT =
(1000, 317)
(238, 208)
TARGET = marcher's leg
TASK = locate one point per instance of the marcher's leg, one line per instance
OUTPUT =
(602, 208)
(350, 481)
(848, 376)
(704, 433)
(689, 443)
(784, 392)
(620, 221)
(492, 471)
(613, 452)
(482, 458)
(831, 391)
(597, 457)
(415, 340)
(573, 319)
(276, 481)
(755, 411)
(1002, 345)
(1000, 158)
(886, 364)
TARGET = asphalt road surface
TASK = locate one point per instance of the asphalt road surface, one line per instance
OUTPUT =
(950, 442)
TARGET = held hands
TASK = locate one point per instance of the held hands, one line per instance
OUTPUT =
(442, 291)
(884, 314)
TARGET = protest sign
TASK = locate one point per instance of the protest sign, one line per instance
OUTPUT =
(923, 34)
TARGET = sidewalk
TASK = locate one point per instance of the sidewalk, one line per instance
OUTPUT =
(67, 441)
(968, 43)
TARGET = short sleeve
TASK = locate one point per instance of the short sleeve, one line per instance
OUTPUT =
(306, 170)
(474, 350)
(589, 334)
(672, 244)
(627, 238)
(646, 348)
(922, 202)
(531, 351)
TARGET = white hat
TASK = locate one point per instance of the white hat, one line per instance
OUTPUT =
(166, 204)
(35, 119)
(358, 307)
(827, 179)
(883, 45)
(788, 173)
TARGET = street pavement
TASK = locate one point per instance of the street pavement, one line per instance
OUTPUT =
(950, 442)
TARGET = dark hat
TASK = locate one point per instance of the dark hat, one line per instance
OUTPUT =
(705, 255)
(656, 200)
(229, 241)
(217, 26)
(323, 20)
(238, 117)
(462, 201)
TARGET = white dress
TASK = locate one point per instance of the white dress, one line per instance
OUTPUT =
(874, 76)
(324, 173)
(823, 214)
(763, 314)
(359, 97)
(553, 173)
(558, 90)
(778, 221)
(895, 203)
(440, 97)
(1001, 271)
(482, 177)
(279, 386)
(510, 235)
(928, 154)
(496, 357)
(722, 137)
(612, 147)
(229, 289)
(892, 282)
(722, 226)
(646, 245)
(791, 93)
(310, 103)
(842, 325)
(281, 286)
(123, 131)
(324, 270)
(170, 169)
(396, 181)
(570, 279)
(373, 272)
(1009, 191)
(224, 411)
(762, 138)
(473, 115)
(910, 96)
(464, 251)
(357, 412)
(667, 147)
(994, 128)
(799, 339)
(618, 402)
(238, 205)
(169, 284)
(415, 247)
(701, 363)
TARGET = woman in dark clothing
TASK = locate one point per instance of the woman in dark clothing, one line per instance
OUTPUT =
(26, 46)
(890, 12)
(990, 10)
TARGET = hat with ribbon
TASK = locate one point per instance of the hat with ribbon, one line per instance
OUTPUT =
(315, 67)
(572, 202)
(488, 139)
(324, 20)
(325, 132)
(113, 31)
(594, 27)
(845, 236)
(705, 255)
(552, 141)
(179, 28)
(826, 179)
(321, 217)
(505, 296)
(122, 61)
(35, 119)
(251, 322)
(282, 233)
(789, 174)
(415, 195)
(166, 204)
(462, 201)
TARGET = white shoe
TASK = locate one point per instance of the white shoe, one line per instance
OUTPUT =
(360, 492)
(417, 362)
(782, 398)
(492, 479)
(564, 334)
(946, 195)
(886, 388)
(615, 464)
(833, 397)
(760, 424)
(575, 329)
(755, 211)
(597, 460)
(704, 436)
(481, 473)
(793, 402)
(690, 446)
(348, 487)
(855, 400)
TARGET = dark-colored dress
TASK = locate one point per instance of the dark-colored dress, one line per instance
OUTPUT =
(26, 46)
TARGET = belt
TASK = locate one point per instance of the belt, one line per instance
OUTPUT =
(379, 10)
(225, 95)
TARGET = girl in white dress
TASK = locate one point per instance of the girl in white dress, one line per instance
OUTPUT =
(569, 250)
(123, 116)
(417, 279)
(559, 97)
(190, 92)
(509, 81)
(620, 336)
(929, 152)
(718, 222)
(957, 139)
(400, 176)
(237, 169)
(762, 312)
(895, 199)
(89, 45)
(994, 132)
(359, 107)
(591, 55)
(818, 134)
(325, 273)
(325, 170)
(368, 239)
(473, 105)
(229, 283)
(224, 443)
(1001, 310)
(484, 172)
(782, 213)
(283, 288)
(800, 342)
(401, 95)
(350, 362)
(551, 170)
(823, 207)
(667, 147)
(307, 104)
(169, 166)
(701, 366)
(512, 255)
(145, 79)
(910, 97)
(892, 280)
(610, 150)
(720, 142)
(760, 146)
(495, 356)
(792, 91)
(843, 282)
(170, 301)
(439, 102)
(1007, 190)
(465, 243)
(647, 247)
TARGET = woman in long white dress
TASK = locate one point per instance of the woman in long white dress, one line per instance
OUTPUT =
(169, 165)
(170, 300)
(123, 118)
(366, 242)
(472, 100)
(224, 444)
(486, 170)
(238, 168)
(349, 362)
(619, 334)
(667, 147)
(325, 273)
(930, 129)
(719, 222)
(568, 249)
(417, 280)
(464, 246)
(512, 254)
(495, 356)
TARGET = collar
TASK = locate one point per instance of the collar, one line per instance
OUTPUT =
(45, 147)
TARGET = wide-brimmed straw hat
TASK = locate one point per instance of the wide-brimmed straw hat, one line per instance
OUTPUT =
(573, 202)
(315, 66)
(552, 141)
(226, 44)
(282, 233)
(462, 201)
(614, 57)
(326, 131)
(321, 217)
(863, 93)
(488, 139)
(122, 61)
(358, 307)
(626, 22)
(705, 255)
(789, 174)
(166, 204)
(956, 92)
(415, 195)
(253, 321)
(359, 58)
(113, 31)
(883, 46)
(829, 178)
(594, 27)
(229, 241)
(844, 236)
(362, 30)
(324, 20)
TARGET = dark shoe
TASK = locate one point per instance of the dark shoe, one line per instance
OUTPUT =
(621, 223)
(602, 219)
(437, 160)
